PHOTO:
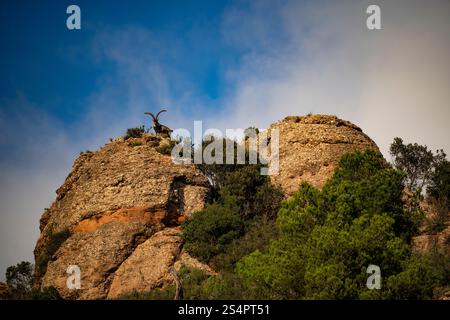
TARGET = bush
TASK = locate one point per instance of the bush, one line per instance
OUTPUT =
(55, 240)
(267, 201)
(439, 186)
(166, 148)
(19, 279)
(208, 232)
(48, 293)
(135, 144)
(245, 197)
(197, 285)
(440, 217)
(416, 281)
(365, 183)
(137, 132)
(193, 283)
(416, 161)
(241, 217)
(227, 286)
(260, 232)
(436, 225)
(440, 261)
(328, 238)
(217, 173)
(166, 293)
(254, 194)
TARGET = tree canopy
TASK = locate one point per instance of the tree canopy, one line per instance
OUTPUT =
(329, 237)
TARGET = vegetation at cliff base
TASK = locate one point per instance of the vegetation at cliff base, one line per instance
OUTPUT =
(324, 240)
(424, 171)
(19, 279)
(329, 237)
(418, 163)
(212, 229)
(193, 281)
(243, 202)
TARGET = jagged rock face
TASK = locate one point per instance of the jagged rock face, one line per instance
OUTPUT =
(116, 204)
(146, 268)
(426, 242)
(121, 207)
(310, 148)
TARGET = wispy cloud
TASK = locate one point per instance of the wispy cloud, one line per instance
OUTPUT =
(36, 156)
(391, 82)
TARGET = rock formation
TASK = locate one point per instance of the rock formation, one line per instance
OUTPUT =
(119, 208)
(425, 242)
(310, 148)
(118, 214)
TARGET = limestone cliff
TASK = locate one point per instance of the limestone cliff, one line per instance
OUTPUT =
(310, 148)
(118, 214)
(119, 208)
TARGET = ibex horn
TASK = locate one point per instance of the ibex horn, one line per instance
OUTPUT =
(162, 110)
(151, 114)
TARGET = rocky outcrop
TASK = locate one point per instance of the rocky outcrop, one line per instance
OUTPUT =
(120, 207)
(118, 214)
(428, 241)
(146, 268)
(310, 148)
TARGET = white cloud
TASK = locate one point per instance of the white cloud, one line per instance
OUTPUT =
(392, 82)
(407, 77)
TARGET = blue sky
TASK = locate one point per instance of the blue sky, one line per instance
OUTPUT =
(65, 91)
(229, 63)
(59, 69)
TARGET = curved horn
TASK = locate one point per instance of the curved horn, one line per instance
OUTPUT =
(162, 110)
(151, 114)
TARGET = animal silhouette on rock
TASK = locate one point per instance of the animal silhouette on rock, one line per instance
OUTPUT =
(159, 128)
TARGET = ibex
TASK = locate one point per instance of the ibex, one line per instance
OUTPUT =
(160, 129)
